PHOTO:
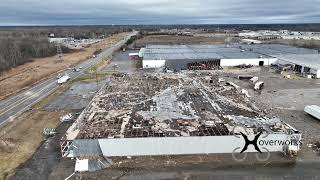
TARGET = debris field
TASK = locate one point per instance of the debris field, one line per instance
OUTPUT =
(170, 105)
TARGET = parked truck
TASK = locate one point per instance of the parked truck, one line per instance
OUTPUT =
(258, 86)
(63, 79)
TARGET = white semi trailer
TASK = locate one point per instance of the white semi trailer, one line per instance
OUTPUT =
(63, 79)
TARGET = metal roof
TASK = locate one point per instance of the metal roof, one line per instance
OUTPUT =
(308, 60)
(86, 147)
(301, 56)
(176, 52)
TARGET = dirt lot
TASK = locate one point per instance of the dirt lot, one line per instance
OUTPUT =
(286, 98)
(121, 63)
(25, 75)
(76, 98)
(172, 39)
(22, 137)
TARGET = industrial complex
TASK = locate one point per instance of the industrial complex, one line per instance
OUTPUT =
(140, 98)
(208, 57)
(156, 113)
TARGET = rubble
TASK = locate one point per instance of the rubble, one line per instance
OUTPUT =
(254, 79)
(168, 105)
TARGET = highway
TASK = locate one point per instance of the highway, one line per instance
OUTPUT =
(15, 105)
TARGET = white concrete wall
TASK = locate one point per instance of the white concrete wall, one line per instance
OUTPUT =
(153, 63)
(254, 62)
(184, 145)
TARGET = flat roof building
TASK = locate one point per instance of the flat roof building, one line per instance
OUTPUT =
(206, 57)
(183, 57)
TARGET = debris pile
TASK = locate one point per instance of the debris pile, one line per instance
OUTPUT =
(169, 105)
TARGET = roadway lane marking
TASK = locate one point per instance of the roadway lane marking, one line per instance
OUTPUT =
(108, 52)
(13, 105)
(26, 107)
(87, 63)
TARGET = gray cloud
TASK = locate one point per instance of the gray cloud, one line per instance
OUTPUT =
(79, 12)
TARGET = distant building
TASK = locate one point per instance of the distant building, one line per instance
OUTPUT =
(206, 57)
(250, 41)
(51, 35)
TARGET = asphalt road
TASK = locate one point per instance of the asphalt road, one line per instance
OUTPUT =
(15, 105)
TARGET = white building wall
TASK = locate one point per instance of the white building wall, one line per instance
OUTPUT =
(183, 145)
(250, 41)
(153, 63)
(254, 62)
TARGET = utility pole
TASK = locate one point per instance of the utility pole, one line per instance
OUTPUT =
(59, 53)
(97, 80)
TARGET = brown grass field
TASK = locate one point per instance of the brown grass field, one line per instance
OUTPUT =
(22, 137)
(173, 39)
(25, 75)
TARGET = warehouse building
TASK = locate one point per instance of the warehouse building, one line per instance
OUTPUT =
(183, 57)
(206, 57)
(171, 114)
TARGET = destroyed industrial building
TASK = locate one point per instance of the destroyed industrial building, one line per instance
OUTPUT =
(182, 113)
(209, 57)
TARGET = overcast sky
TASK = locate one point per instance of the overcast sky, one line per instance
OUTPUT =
(90, 12)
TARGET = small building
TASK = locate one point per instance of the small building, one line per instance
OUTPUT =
(250, 41)
(51, 35)
(133, 56)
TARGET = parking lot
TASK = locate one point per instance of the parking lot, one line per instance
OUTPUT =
(286, 98)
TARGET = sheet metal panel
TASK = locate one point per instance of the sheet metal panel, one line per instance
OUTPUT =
(183, 145)
(313, 110)
(307, 60)
(254, 62)
(243, 55)
(86, 147)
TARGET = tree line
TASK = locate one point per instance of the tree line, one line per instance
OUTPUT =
(19, 45)
(17, 51)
